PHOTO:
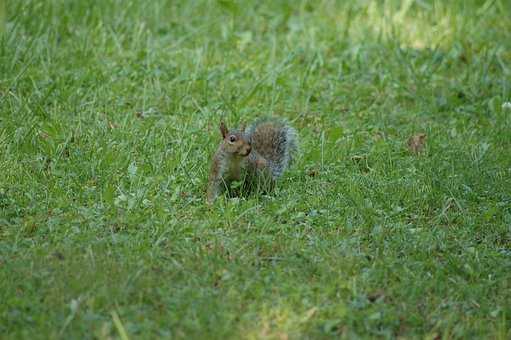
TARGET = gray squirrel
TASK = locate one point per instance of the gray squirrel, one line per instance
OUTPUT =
(262, 153)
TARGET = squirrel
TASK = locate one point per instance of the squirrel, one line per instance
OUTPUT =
(261, 153)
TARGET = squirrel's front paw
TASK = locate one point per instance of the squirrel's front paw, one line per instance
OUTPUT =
(261, 163)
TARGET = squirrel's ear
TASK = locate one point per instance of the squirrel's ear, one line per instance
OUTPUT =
(243, 125)
(223, 129)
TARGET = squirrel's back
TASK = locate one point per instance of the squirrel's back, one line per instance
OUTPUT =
(276, 141)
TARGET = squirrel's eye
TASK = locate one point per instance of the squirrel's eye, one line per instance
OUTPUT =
(232, 139)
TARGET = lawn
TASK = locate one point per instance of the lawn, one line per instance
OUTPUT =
(109, 115)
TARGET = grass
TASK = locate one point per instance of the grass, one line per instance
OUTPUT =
(108, 120)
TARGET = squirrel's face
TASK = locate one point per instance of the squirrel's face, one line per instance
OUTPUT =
(235, 142)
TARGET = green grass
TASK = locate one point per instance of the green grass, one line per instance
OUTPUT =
(108, 121)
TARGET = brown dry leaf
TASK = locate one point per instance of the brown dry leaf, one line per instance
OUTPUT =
(312, 173)
(416, 143)
(375, 296)
(362, 162)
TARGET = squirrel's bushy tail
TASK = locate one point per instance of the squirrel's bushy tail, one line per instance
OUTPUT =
(276, 141)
